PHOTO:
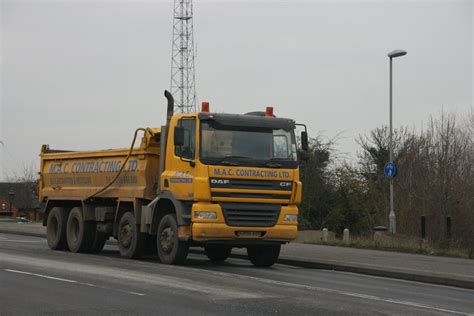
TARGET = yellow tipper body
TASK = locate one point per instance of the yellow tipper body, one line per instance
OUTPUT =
(75, 175)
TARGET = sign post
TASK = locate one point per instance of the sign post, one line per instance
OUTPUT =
(390, 171)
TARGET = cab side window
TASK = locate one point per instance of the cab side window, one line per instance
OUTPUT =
(187, 150)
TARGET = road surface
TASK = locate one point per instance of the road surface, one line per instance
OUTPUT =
(35, 279)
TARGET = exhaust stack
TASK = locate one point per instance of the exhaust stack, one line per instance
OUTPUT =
(170, 110)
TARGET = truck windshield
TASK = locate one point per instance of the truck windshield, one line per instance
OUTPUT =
(249, 146)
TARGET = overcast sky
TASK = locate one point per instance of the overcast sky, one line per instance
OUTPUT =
(84, 74)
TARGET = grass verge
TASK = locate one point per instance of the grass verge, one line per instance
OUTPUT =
(405, 244)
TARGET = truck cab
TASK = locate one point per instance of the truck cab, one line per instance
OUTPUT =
(238, 177)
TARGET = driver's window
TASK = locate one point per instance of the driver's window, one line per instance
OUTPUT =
(280, 146)
(187, 150)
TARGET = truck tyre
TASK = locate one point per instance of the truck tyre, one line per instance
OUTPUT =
(263, 255)
(218, 253)
(80, 234)
(56, 228)
(99, 242)
(171, 250)
(130, 241)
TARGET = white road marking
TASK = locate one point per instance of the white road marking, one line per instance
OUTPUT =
(224, 292)
(185, 284)
(19, 240)
(41, 276)
(70, 281)
(358, 295)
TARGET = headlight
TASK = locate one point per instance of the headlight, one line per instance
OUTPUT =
(290, 218)
(205, 215)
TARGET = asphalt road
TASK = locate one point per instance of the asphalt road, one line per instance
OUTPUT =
(35, 280)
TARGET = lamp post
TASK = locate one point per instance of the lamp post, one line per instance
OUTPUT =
(391, 217)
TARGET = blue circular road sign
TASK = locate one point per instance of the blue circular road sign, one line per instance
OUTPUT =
(390, 170)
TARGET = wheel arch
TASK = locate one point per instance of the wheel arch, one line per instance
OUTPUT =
(166, 203)
(162, 207)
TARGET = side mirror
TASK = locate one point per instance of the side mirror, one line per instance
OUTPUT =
(304, 141)
(178, 136)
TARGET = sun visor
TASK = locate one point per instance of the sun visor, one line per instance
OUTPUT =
(247, 121)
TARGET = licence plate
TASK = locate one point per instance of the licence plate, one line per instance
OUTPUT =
(249, 234)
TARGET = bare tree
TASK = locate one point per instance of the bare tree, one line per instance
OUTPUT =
(29, 173)
(435, 180)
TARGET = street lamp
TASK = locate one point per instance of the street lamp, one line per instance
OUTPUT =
(391, 217)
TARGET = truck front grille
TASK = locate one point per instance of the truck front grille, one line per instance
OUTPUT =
(223, 189)
(250, 214)
(276, 185)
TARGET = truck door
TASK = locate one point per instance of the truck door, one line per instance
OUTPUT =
(180, 174)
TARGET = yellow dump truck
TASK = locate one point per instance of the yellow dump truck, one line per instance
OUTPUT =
(208, 180)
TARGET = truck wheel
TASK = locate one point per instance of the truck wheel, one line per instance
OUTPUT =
(130, 241)
(218, 253)
(263, 255)
(80, 234)
(99, 242)
(170, 249)
(56, 228)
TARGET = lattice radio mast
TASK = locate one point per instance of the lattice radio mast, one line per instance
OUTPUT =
(182, 58)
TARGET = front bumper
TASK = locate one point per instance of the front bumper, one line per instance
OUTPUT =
(210, 232)
(218, 230)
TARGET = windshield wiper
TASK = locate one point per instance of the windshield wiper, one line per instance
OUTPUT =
(225, 160)
(273, 162)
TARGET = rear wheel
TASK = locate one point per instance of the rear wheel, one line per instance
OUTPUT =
(218, 253)
(56, 228)
(263, 255)
(171, 250)
(80, 234)
(130, 241)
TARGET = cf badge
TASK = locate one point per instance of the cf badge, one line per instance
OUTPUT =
(285, 184)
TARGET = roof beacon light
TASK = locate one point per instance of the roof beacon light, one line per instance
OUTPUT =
(205, 107)
(269, 111)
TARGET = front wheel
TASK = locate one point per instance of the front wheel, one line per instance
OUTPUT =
(130, 241)
(218, 253)
(171, 250)
(263, 255)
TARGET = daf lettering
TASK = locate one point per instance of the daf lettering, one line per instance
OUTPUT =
(220, 181)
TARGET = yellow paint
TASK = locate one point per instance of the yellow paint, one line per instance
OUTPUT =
(210, 231)
(184, 232)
